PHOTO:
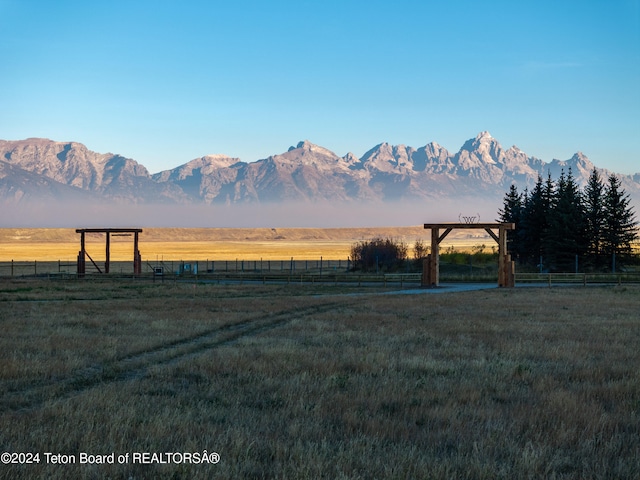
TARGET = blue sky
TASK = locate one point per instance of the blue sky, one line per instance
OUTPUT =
(164, 82)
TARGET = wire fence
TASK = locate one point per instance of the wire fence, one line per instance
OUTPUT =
(299, 271)
(257, 266)
(179, 267)
(291, 271)
(36, 268)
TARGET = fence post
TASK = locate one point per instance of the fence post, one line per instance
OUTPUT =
(12, 268)
(35, 267)
(613, 263)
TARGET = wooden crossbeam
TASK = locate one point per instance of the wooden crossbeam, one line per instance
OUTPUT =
(442, 237)
(470, 226)
(493, 235)
(94, 263)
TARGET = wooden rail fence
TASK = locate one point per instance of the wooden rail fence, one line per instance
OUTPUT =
(290, 271)
(550, 279)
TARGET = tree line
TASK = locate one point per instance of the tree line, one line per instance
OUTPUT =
(560, 227)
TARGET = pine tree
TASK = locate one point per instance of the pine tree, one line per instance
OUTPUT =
(534, 223)
(594, 218)
(549, 199)
(565, 238)
(512, 213)
(556, 222)
(619, 228)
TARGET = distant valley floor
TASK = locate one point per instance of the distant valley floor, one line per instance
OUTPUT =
(53, 244)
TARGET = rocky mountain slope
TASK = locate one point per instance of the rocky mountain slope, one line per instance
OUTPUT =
(37, 170)
(40, 169)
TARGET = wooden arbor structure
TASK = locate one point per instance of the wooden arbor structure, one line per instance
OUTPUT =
(119, 232)
(431, 266)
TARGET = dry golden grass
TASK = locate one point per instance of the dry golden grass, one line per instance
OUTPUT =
(152, 251)
(285, 383)
(254, 250)
(217, 244)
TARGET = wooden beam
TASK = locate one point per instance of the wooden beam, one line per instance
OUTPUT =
(493, 235)
(473, 226)
(111, 230)
(443, 236)
(94, 263)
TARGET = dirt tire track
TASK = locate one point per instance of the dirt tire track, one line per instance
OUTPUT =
(137, 365)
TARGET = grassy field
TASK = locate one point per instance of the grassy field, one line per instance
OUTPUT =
(55, 244)
(319, 381)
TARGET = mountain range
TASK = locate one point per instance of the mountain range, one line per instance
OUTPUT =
(37, 171)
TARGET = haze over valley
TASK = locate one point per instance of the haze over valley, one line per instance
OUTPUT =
(46, 183)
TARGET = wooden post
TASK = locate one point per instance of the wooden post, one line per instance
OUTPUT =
(108, 253)
(502, 260)
(81, 257)
(137, 260)
(426, 270)
(434, 258)
(511, 272)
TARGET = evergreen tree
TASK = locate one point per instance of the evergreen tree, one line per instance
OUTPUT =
(565, 237)
(512, 213)
(549, 199)
(533, 223)
(521, 229)
(556, 222)
(619, 227)
(594, 218)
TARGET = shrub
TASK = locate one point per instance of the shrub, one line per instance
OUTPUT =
(378, 254)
